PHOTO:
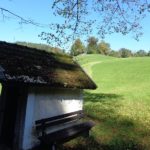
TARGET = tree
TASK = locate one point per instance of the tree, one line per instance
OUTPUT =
(77, 48)
(140, 53)
(92, 47)
(114, 53)
(119, 16)
(123, 52)
(104, 48)
(148, 54)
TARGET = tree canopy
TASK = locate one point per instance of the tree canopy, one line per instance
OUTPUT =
(77, 48)
(104, 48)
(123, 52)
(95, 46)
(92, 45)
(141, 53)
(119, 16)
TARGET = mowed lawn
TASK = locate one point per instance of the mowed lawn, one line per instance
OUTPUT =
(120, 106)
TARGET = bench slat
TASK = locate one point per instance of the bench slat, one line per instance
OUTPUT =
(59, 121)
(67, 133)
(58, 117)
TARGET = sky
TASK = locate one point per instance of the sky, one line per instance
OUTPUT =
(40, 11)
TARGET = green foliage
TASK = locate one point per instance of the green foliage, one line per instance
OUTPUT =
(77, 48)
(123, 52)
(114, 53)
(148, 54)
(92, 45)
(104, 48)
(141, 53)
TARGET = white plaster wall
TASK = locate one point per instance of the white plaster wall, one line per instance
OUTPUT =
(43, 103)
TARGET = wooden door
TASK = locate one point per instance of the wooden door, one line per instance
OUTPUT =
(13, 115)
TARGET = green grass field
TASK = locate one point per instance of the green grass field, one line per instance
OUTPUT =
(120, 105)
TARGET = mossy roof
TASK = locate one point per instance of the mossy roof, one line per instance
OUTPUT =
(21, 64)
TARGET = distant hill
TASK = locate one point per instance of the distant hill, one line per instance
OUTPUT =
(41, 46)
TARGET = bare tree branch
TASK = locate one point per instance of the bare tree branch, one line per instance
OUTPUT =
(122, 13)
(22, 20)
(121, 16)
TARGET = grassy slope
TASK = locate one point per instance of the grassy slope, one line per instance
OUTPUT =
(120, 105)
(86, 59)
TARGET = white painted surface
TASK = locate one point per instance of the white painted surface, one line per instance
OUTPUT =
(43, 103)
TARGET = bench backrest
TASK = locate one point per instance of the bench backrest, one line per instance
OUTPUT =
(57, 120)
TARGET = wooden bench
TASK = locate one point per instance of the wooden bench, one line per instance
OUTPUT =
(72, 127)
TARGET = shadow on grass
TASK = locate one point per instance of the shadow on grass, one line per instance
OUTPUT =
(96, 97)
(112, 131)
(91, 144)
(101, 107)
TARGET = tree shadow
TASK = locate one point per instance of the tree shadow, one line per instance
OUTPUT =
(101, 106)
(100, 97)
(91, 144)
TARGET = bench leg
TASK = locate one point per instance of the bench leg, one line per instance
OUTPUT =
(53, 147)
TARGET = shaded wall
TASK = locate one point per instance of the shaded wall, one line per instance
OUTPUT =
(43, 103)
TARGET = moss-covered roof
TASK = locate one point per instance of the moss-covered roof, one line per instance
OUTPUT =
(21, 64)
